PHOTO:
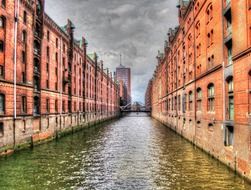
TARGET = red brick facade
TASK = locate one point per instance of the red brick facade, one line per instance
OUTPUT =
(48, 83)
(201, 87)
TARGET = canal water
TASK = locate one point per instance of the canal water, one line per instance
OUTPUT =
(135, 152)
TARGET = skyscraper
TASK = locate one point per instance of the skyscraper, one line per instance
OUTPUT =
(124, 74)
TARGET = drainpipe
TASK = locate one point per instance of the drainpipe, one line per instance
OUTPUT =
(61, 78)
(195, 86)
(223, 72)
(15, 68)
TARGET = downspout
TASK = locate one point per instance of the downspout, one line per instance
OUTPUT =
(223, 72)
(15, 68)
(61, 86)
(195, 80)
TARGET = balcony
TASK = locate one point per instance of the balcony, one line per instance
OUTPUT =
(228, 34)
(227, 8)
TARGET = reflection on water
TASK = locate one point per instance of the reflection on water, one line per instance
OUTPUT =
(131, 153)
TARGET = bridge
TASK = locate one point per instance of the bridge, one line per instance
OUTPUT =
(134, 107)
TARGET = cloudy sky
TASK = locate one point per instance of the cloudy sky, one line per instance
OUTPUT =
(134, 28)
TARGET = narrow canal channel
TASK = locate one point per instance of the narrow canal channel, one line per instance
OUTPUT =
(131, 153)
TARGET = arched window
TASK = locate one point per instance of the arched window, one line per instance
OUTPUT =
(190, 100)
(36, 109)
(211, 97)
(199, 99)
(2, 103)
(230, 98)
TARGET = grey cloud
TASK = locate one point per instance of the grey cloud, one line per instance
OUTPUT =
(134, 28)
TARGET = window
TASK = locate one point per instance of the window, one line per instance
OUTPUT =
(64, 48)
(211, 98)
(210, 62)
(197, 28)
(23, 77)
(36, 83)
(212, 37)
(36, 65)
(198, 50)
(48, 35)
(63, 106)
(48, 105)
(48, 54)
(56, 57)
(47, 83)
(4, 3)
(56, 86)
(190, 100)
(1, 71)
(36, 48)
(2, 103)
(38, 8)
(184, 104)
(25, 17)
(56, 42)
(69, 106)
(199, 99)
(24, 36)
(209, 12)
(24, 105)
(36, 109)
(230, 98)
(1, 46)
(229, 136)
(23, 56)
(2, 22)
(1, 130)
(56, 105)
(179, 103)
(229, 53)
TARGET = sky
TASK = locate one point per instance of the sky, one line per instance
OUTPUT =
(136, 29)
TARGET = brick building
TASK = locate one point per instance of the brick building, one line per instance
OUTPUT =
(148, 96)
(201, 86)
(48, 83)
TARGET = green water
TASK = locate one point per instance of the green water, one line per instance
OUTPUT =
(131, 153)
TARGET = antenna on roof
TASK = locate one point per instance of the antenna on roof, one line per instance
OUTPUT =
(120, 59)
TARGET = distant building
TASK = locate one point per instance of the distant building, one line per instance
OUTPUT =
(148, 96)
(124, 74)
(122, 93)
